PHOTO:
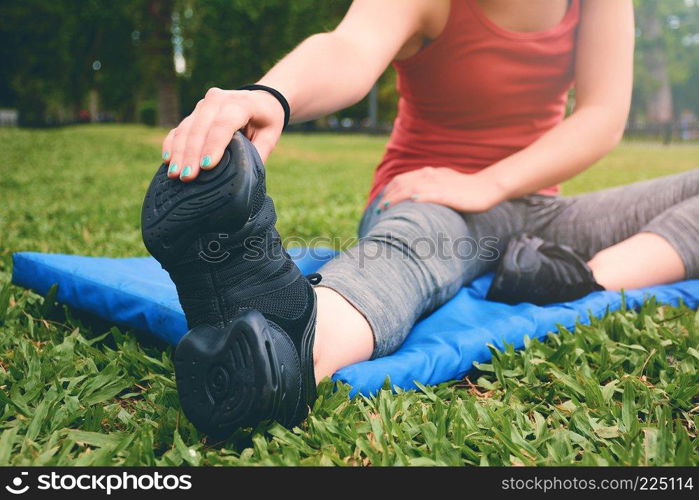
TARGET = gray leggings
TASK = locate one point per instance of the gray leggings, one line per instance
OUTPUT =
(413, 257)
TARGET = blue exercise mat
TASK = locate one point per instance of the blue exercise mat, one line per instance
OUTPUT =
(136, 292)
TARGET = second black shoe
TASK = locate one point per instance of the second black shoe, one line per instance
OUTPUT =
(540, 272)
(248, 355)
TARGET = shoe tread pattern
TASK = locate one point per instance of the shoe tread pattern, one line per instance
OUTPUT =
(175, 213)
(236, 376)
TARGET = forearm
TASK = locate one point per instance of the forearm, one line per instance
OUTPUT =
(325, 73)
(563, 152)
(322, 75)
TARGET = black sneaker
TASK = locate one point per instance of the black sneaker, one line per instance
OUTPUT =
(540, 272)
(248, 355)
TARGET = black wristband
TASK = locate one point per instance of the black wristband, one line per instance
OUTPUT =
(277, 95)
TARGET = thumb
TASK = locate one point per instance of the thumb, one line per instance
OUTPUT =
(265, 140)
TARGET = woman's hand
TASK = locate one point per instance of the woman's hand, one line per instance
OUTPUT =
(199, 140)
(444, 186)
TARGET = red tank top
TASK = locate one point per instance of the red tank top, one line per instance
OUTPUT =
(478, 93)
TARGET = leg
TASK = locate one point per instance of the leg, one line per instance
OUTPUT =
(343, 335)
(616, 267)
(638, 235)
(666, 250)
(410, 260)
(248, 354)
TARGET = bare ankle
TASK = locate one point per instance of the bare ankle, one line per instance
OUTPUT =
(343, 336)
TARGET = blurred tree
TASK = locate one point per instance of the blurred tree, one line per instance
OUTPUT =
(667, 62)
(55, 53)
(230, 43)
(155, 19)
(658, 95)
(33, 73)
(105, 59)
(683, 50)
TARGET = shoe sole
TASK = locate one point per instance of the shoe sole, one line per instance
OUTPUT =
(176, 213)
(239, 375)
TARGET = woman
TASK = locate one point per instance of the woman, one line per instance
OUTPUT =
(478, 149)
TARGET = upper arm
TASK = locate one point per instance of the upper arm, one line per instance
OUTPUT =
(604, 60)
(377, 30)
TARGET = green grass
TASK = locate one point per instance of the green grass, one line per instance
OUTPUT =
(74, 390)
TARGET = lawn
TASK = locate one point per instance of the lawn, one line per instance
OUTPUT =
(77, 391)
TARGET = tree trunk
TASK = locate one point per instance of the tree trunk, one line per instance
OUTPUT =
(93, 105)
(168, 103)
(659, 97)
(161, 64)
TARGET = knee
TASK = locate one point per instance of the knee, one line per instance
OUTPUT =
(409, 221)
(429, 238)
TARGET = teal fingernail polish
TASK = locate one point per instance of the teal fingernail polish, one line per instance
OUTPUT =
(206, 161)
(172, 169)
(378, 211)
(166, 155)
(386, 203)
(185, 173)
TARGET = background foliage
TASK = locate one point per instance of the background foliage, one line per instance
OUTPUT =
(49, 49)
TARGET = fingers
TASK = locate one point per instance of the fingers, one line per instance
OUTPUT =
(395, 192)
(394, 198)
(202, 119)
(217, 117)
(417, 185)
(229, 119)
(167, 146)
(199, 141)
(189, 139)
(179, 141)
